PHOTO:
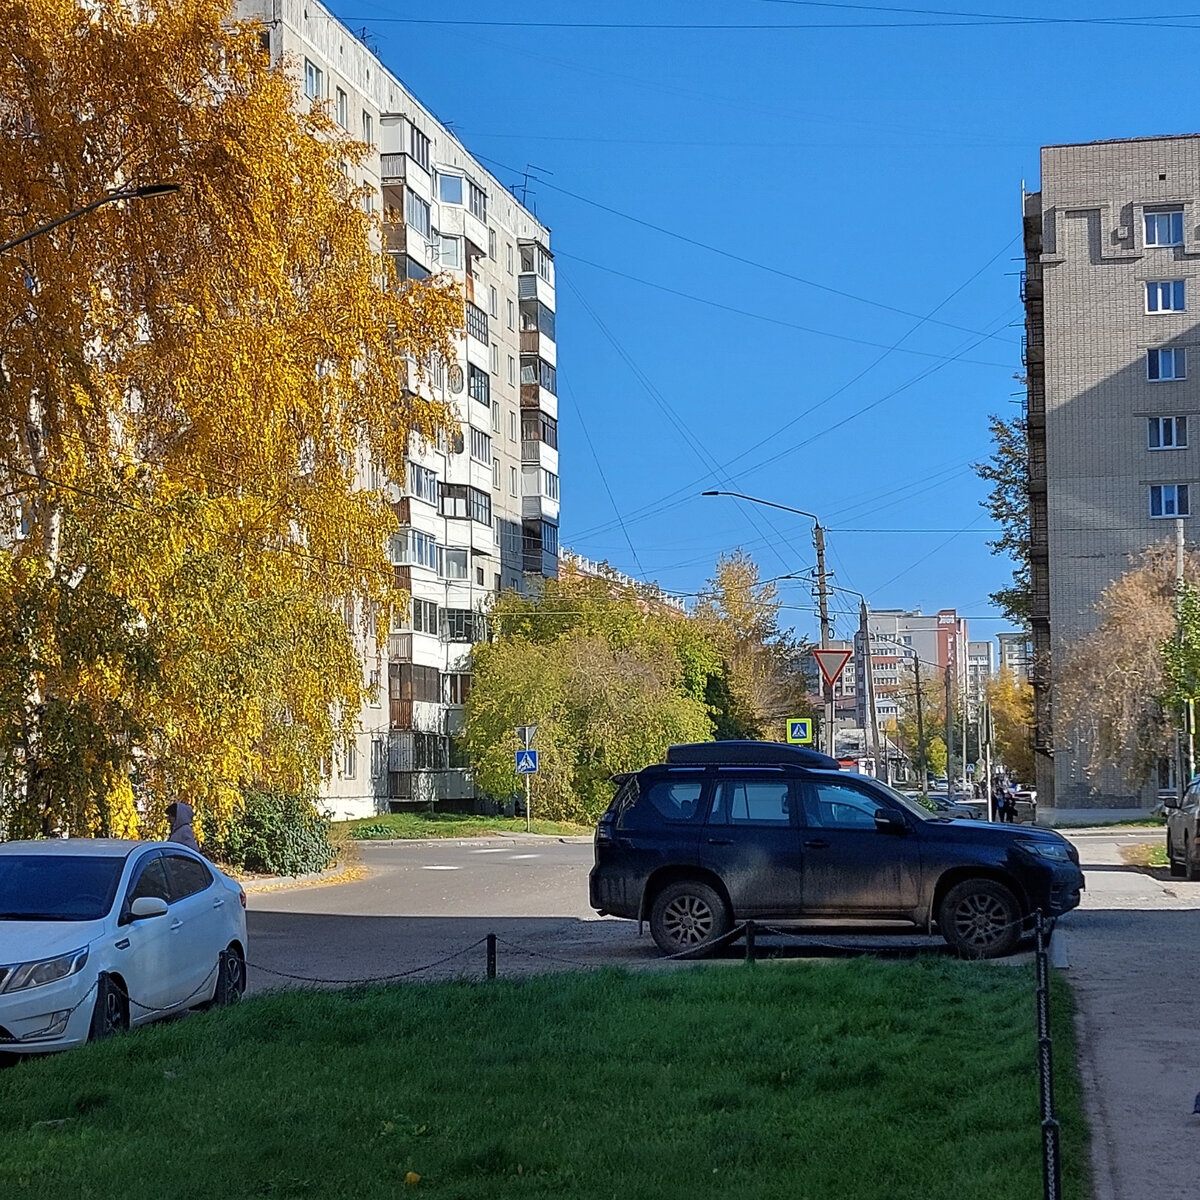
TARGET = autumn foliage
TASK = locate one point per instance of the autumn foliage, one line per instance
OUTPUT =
(192, 390)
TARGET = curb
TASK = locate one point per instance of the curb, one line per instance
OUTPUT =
(275, 882)
(493, 840)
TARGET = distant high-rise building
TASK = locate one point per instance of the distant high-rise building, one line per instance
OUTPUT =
(1015, 653)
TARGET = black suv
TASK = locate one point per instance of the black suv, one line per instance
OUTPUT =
(725, 831)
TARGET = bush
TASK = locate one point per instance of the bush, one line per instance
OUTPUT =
(274, 833)
(376, 829)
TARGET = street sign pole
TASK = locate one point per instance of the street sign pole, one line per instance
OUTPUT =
(528, 793)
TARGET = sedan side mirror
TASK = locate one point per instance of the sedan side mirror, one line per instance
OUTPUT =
(887, 821)
(148, 906)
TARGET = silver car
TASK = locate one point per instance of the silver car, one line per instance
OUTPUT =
(1183, 832)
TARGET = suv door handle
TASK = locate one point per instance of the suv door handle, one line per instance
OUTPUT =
(720, 841)
(816, 844)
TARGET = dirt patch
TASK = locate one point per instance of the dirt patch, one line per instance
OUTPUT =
(1150, 857)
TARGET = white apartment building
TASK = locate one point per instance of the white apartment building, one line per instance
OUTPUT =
(981, 666)
(1015, 654)
(477, 516)
(1111, 290)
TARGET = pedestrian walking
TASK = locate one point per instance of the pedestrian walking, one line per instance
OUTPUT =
(180, 816)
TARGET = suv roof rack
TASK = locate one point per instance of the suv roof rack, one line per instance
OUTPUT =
(744, 754)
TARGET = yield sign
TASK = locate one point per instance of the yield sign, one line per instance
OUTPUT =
(832, 662)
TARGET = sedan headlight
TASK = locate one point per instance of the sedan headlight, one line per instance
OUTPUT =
(1053, 850)
(46, 970)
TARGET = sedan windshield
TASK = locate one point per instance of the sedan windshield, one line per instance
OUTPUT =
(63, 887)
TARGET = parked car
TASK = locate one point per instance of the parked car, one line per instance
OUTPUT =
(725, 831)
(955, 806)
(97, 935)
(1183, 832)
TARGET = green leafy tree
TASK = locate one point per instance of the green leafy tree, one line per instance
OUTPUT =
(1007, 470)
(936, 751)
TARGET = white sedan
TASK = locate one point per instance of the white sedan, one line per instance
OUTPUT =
(97, 935)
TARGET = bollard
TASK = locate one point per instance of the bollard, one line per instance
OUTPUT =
(749, 941)
(491, 956)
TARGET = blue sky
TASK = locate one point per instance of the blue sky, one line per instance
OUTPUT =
(883, 164)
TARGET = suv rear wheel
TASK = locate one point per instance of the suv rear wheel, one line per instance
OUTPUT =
(687, 915)
(980, 919)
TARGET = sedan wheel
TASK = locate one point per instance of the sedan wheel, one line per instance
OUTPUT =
(111, 1014)
(687, 916)
(980, 919)
(231, 978)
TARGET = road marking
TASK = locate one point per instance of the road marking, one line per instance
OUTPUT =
(516, 856)
(494, 850)
(441, 868)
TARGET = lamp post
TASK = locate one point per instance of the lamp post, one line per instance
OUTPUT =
(145, 192)
(822, 593)
(864, 637)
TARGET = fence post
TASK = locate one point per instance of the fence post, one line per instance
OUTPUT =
(1051, 1148)
(749, 941)
(491, 956)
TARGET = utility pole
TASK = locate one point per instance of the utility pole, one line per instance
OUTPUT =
(823, 607)
(920, 725)
(949, 728)
(1186, 737)
(864, 637)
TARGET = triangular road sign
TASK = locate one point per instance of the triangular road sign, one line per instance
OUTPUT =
(832, 663)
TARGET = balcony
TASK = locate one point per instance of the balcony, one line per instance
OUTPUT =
(391, 167)
(534, 287)
(419, 715)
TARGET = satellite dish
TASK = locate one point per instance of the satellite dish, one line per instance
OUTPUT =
(456, 379)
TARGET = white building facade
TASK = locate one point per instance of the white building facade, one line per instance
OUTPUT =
(477, 516)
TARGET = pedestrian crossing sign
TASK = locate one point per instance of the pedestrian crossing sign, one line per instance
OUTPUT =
(527, 762)
(800, 730)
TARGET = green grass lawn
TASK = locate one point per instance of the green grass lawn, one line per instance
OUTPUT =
(447, 825)
(860, 1080)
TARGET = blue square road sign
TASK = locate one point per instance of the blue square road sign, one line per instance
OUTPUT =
(527, 762)
(800, 730)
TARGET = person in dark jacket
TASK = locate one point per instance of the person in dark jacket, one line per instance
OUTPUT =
(180, 816)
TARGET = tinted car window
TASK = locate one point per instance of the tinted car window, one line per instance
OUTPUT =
(835, 806)
(150, 880)
(676, 800)
(188, 875)
(751, 802)
(47, 887)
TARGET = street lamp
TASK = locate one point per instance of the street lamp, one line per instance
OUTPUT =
(145, 192)
(822, 591)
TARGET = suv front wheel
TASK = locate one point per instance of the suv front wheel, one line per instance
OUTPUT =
(980, 918)
(687, 916)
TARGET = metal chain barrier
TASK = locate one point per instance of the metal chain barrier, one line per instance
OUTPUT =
(372, 978)
(1051, 1149)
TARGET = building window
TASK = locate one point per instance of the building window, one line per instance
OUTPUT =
(453, 499)
(450, 189)
(493, 302)
(1164, 227)
(451, 251)
(536, 317)
(512, 370)
(416, 214)
(481, 446)
(534, 258)
(1168, 433)
(1162, 365)
(477, 200)
(492, 244)
(512, 323)
(481, 507)
(536, 426)
(413, 548)
(477, 322)
(549, 484)
(508, 256)
(424, 616)
(512, 429)
(314, 81)
(463, 625)
(1165, 296)
(454, 566)
(537, 371)
(496, 474)
(368, 129)
(341, 109)
(512, 482)
(368, 203)
(458, 687)
(374, 685)
(549, 538)
(495, 416)
(479, 384)
(350, 758)
(1169, 500)
(418, 146)
(421, 483)
(407, 681)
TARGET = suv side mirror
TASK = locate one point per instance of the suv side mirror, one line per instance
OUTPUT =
(1171, 801)
(148, 906)
(887, 821)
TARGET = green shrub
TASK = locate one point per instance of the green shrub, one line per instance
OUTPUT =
(274, 833)
(376, 829)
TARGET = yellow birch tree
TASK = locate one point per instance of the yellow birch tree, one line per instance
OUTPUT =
(192, 388)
